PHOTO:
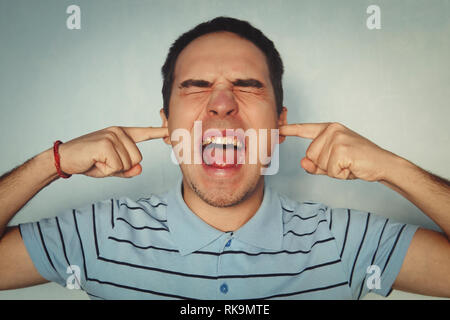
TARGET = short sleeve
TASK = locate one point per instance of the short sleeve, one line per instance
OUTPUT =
(371, 247)
(58, 246)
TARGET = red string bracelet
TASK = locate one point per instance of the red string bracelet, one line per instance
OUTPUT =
(57, 160)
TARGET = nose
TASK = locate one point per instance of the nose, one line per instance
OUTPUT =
(222, 103)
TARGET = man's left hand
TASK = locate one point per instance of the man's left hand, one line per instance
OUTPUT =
(339, 152)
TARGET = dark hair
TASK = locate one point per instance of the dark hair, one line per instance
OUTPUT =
(239, 27)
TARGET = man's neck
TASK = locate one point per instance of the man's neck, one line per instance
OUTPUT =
(228, 218)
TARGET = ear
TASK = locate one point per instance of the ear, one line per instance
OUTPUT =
(165, 124)
(282, 121)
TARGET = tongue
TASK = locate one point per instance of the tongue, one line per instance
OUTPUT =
(217, 156)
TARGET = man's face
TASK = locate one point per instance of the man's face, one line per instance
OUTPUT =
(223, 81)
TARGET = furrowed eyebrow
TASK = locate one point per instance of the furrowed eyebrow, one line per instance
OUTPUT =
(248, 83)
(206, 84)
(195, 83)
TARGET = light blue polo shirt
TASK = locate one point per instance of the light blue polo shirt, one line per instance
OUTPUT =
(157, 248)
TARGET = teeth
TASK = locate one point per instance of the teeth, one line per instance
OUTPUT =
(223, 140)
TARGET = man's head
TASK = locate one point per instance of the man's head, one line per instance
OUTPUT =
(220, 24)
(226, 74)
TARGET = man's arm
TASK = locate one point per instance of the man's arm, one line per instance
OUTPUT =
(21, 184)
(17, 187)
(426, 268)
(428, 192)
(16, 267)
(108, 152)
(341, 153)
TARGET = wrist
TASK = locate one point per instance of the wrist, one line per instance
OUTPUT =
(45, 164)
(57, 158)
(398, 171)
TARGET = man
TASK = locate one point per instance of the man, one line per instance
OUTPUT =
(221, 233)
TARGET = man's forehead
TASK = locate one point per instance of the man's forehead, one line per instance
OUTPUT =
(221, 53)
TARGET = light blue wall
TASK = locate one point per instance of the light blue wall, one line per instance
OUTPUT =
(390, 85)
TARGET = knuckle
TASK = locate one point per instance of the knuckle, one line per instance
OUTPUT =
(138, 157)
(335, 125)
(135, 156)
(118, 167)
(339, 136)
(110, 135)
(340, 149)
(127, 165)
(309, 154)
(106, 143)
(113, 129)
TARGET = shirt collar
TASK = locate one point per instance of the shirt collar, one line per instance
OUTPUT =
(190, 233)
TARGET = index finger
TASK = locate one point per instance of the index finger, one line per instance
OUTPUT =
(139, 134)
(303, 130)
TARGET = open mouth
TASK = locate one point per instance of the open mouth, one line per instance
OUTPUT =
(223, 149)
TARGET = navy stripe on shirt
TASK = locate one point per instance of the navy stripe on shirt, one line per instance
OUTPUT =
(346, 232)
(359, 249)
(44, 246)
(224, 252)
(393, 248)
(142, 227)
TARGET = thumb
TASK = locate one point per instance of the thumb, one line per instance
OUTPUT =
(132, 172)
(310, 167)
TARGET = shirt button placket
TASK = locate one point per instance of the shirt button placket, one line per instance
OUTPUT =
(229, 240)
(223, 288)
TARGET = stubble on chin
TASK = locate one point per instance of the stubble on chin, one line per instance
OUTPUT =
(225, 198)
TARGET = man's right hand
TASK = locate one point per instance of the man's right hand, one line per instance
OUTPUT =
(108, 152)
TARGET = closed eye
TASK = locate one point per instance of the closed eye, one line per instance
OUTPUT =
(249, 91)
(196, 92)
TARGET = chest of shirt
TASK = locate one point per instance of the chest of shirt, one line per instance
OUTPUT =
(145, 263)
